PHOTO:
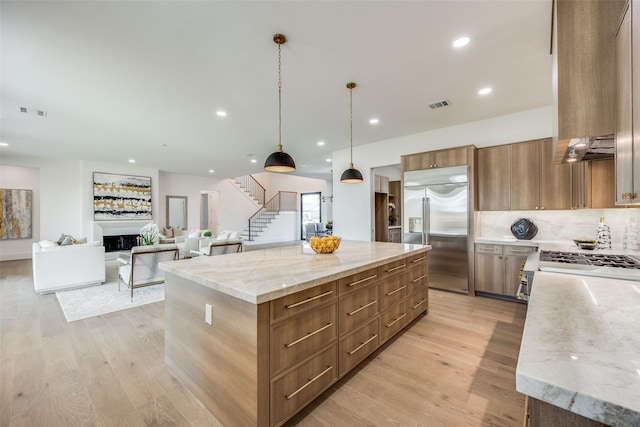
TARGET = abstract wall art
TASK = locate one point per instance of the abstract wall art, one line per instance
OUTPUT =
(15, 214)
(121, 197)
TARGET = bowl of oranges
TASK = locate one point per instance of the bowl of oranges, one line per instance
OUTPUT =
(324, 245)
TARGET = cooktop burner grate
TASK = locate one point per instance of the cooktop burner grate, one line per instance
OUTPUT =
(604, 260)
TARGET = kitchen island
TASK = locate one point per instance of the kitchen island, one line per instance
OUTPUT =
(580, 351)
(258, 335)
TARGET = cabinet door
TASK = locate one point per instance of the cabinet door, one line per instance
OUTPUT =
(489, 271)
(624, 118)
(525, 176)
(603, 188)
(451, 157)
(555, 180)
(512, 267)
(493, 178)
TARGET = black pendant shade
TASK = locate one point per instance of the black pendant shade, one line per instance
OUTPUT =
(279, 161)
(351, 176)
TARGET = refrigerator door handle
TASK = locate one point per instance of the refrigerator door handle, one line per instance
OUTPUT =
(426, 217)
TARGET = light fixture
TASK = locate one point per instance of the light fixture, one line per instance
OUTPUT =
(279, 161)
(351, 175)
(374, 121)
(485, 91)
(132, 160)
(320, 143)
(462, 41)
(221, 113)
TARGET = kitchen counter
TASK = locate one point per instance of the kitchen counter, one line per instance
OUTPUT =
(580, 348)
(264, 275)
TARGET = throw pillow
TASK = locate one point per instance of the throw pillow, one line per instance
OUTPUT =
(194, 233)
(61, 238)
(168, 232)
(79, 240)
(178, 232)
(68, 240)
(234, 235)
(223, 236)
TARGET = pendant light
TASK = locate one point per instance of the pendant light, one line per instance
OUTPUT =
(279, 161)
(351, 175)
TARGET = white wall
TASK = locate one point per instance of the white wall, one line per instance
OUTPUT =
(353, 203)
(21, 178)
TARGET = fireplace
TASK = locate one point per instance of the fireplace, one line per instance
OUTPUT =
(122, 242)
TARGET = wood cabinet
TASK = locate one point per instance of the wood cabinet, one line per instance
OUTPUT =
(627, 156)
(521, 177)
(381, 184)
(395, 234)
(437, 159)
(543, 414)
(395, 197)
(583, 70)
(497, 268)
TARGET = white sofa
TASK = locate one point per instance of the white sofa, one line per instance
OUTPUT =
(62, 267)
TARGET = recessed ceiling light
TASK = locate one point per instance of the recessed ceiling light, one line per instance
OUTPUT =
(3, 144)
(462, 41)
(485, 91)
(320, 143)
(328, 160)
(254, 161)
(132, 160)
(221, 113)
(374, 121)
(211, 171)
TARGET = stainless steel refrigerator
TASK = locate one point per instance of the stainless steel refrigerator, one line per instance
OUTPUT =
(436, 213)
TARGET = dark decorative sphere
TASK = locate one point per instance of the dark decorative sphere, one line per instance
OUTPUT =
(524, 229)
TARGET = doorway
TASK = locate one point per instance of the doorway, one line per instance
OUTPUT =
(310, 211)
(209, 211)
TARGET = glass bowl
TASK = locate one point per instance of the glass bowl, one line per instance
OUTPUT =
(324, 245)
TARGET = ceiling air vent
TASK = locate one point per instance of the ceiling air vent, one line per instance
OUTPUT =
(34, 111)
(439, 104)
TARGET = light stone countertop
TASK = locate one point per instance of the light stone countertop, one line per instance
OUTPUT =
(581, 347)
(264, 275)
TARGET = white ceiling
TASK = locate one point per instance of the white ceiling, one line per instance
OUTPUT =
(143, 80)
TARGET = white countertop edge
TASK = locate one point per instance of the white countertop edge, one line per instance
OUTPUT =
(503, 241)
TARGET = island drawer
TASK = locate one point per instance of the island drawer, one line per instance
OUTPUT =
(303, 300)
(392, 290)
(358, 307)
(417, 278)
(301, 336)
(416, 260)
(392, 321)
(392, 268)
(488, 248)
(514, 250)
(417, 303)
(357, 281)
(358, 345)
(296, 388)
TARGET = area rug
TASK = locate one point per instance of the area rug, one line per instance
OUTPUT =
(102, 299)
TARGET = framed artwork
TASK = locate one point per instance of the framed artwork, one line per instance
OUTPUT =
(15, 214)
(121, 197)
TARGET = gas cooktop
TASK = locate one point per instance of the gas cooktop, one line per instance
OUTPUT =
(590, 264)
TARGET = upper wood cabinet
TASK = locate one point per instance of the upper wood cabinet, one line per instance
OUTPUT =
(521, 177)
(628, 107)
(381, 184)
(583, 70)
(494, 183)
(437, 159)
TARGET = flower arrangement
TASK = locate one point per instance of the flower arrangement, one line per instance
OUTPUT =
(149, 234)
(392, 213)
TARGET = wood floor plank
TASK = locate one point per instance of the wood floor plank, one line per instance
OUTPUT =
(453, 367)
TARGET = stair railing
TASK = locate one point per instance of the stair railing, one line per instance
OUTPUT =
(282, 201)
(253, 187)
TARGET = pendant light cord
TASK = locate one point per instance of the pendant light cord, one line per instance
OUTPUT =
(279, 101)
(351, 125)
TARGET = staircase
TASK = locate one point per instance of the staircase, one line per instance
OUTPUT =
(267, 211)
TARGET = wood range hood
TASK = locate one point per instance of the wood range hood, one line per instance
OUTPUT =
(583, 49)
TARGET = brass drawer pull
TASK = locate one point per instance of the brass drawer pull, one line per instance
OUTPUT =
(304, 301)
(395, 321)
(373, 337)
(628, 196)
(310, 334)
(362, 308)
(419, 278)
(396, 290)
(357, 282)
(308, 383)
(396, 268)
(422, 258)
(418, 304)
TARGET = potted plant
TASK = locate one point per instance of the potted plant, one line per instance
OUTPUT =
(149, 234)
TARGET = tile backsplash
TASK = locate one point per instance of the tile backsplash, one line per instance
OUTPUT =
(558, 225)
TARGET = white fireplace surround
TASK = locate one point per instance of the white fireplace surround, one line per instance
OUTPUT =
(116, 228)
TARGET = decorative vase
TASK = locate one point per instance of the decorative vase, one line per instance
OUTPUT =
(603, 232)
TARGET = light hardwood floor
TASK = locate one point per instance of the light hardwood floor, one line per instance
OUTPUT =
(454, 367)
